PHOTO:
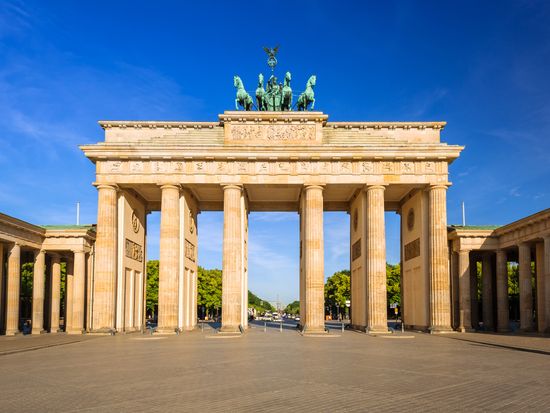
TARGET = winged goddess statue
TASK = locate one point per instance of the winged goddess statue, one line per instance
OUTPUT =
(271, 59)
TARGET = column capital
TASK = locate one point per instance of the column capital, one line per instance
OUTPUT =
(232, 186)
(78, 251)
(100, 185)
(39, 251)
(170, 186)
(442, 185)
(314, 186)
(546, 237)
(375, 186)
(464, 251)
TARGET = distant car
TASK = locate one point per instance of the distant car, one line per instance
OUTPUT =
(297, 318)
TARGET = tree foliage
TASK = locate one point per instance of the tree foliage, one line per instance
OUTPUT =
(258, 304)
(293, 308)
(337, 289)
(393, 284)
(209, 286)
(152, 295)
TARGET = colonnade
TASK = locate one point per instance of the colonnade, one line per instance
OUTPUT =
(534, 254)
(46, 303)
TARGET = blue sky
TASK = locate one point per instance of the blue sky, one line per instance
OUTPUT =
(480, 66)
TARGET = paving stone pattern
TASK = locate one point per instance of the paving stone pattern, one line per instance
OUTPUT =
(274, 371)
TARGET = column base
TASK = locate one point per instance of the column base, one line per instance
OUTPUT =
(314, 330)
(377, 330)
(167, 330)
(230, 330)
(441, 330)
(12, 332)
(38, 331)
(76, 331)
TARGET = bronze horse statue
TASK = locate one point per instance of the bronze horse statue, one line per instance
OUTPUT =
(286, 101)
(308, 96)
(243, 98)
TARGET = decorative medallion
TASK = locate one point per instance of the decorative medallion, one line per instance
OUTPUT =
(410, 219)
(135, 222)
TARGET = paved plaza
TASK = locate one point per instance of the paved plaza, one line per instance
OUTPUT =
(275, 371)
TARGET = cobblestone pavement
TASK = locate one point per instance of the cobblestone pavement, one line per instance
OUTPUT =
(275, 371)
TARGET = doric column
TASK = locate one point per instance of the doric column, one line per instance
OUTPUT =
(464, 275)
(79, 280)
(13, 289)
(546, 272)
(313, 250)
(525, 288)
(2, 313)
(440, 288)
(55, 293)
(232, 264)
(503, 315)
(38, 292)
(487, 290)
(69, 287)
(169, 259)
(375, 261)
(103, 310)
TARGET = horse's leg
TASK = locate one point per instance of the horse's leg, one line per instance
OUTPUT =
(236, 104)
(312, 103)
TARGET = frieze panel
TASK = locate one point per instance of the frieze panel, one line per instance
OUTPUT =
(189, 250)
(261, 167)
(134, 251)
(273, 133)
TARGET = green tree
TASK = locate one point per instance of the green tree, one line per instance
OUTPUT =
(258, 304)
(209, 286)
(337, 290)
(393, 283)
(293, 308)
(152, 294)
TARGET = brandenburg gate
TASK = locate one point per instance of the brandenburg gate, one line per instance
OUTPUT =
(270, 161)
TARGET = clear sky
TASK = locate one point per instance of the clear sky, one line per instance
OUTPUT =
(481, 66)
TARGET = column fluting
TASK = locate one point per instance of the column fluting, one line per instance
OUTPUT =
(377, 316)
(104, 283)
(503, 315)
(232, 259)
(487, 291)
(55, 293)
(440, 288)
(38, 292)
(13, 290)
(313, 250)
(464, 287)
(525, 288)
(78, 292)
(169, 259)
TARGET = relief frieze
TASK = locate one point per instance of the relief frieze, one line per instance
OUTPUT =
(260, 167)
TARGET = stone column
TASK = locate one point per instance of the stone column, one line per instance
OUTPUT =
(313, 250)
(525, 288)
(13, 287)
(169, 259)
(77, 317)
(465, 323)
(440, 288)
(69, 286)
(375, 261)
(546, 272)
(232, 259)
(487, 290)
(503, 315)
(38, 292)
(2, 313)
(539, 278)
(103, 310)
(55, 293)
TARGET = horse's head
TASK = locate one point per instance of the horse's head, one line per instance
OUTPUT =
(312, 80)
(288, 77)
(260, 79)
(236, 81)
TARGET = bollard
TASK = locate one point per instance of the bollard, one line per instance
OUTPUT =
(202, 327)
(265, 327)
(281, 326)
(342, 326)
(402, 327)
